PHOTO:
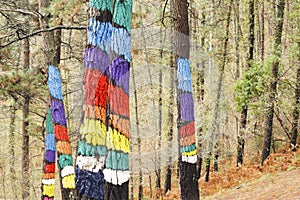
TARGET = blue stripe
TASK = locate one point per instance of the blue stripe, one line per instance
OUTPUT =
(184, 75)
(54, 82)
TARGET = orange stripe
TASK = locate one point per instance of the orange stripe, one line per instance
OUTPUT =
(48, 175)
(187, 141)
(63, 147)
(61, 133)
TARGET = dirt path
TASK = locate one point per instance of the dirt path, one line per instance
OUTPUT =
(281, 186)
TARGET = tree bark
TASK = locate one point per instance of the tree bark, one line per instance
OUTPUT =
(244, 112)
(12, 146)
(25, 133)
(168, 179)
(273, 83)
(295, 121)
(188, 152)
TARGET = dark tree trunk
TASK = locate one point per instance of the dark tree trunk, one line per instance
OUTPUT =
(216, 158)
(273, 83)
(188, 155)
(207, 167)
(25, 133)
(296, 107)
(244, 112)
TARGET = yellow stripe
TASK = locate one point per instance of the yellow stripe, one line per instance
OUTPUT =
(69, 181)
(93, 131)
(48, 190)
(192, 153)
(117, 141)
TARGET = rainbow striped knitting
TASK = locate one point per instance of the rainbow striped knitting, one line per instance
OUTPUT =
(104, 134)
(92, 148)
(48, 178)
(63, 146)
(188, 148)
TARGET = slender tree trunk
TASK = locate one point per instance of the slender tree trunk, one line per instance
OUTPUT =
(158, 180)
(211, 66)
(216, 112)
(25, 133)
(262, 40)
(168, 179)
(296, 106)
(244, 112)
(273, 83)
(12, 146)
(140, 187)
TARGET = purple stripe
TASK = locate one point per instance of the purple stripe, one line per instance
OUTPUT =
(119, 72)
(50, 156)
(95, 58)
(58, 112)
(186, 107)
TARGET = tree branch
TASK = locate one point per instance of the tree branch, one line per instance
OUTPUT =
(25, 12)
(42, 31)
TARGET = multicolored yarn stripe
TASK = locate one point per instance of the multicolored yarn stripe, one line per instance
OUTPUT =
(48, 177)
(63, 146)
(92, 149)
(116, 172)
(104, 134)
(187, 137)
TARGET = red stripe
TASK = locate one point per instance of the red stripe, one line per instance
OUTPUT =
(187, 130)
(61, 133)
(101, 92)
(119, 101)
(49, 168)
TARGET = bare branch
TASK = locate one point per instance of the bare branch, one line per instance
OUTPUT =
(42, 31)
(25, 12)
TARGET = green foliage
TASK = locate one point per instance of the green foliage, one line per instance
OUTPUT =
(66, 10)
(21, 83)
(252, 85)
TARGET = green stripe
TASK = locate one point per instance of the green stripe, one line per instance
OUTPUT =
(90, 150)
(188, 148)
(102, 5)
(122, 14)
(117, 160)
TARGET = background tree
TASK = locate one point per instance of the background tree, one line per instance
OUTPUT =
(274, 80)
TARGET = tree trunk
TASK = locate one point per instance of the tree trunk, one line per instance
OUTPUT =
(168, 180)
(296, 107)
(215, 126)
(140, 187)
(186, 125)
(244, 112)
(12, 146)
(273, 83)
(25, 133)
(158, 170)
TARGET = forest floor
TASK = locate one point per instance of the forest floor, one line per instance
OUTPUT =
(278, 179)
